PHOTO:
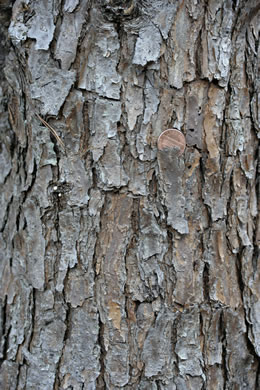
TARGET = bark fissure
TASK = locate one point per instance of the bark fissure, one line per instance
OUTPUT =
(100, 378)
(4, 332)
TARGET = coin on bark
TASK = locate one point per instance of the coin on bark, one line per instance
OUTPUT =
(172, 138)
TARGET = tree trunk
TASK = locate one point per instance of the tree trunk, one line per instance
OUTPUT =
(123, 265)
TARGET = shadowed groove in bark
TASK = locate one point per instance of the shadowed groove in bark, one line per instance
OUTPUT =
(4, 332)
(224, 355)
(100, 379)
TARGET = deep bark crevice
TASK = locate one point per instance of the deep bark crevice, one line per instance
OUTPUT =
(224, 347)
(101, 378)
(4, 332)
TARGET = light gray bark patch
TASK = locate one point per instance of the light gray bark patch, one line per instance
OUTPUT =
(151, 249)
(135, 284)
(144, 137)
(79, 286)
(152, 241)
(74, 175)
(41, 184)
(238, 112)
(42, 26)
(157, 351)
(80, 360)
(6, 198)
(212, 196)
(41, 148)
(17, 29)
(34, 245)
(89, 229)
(68, 238)
(143, 143)
(139, 174)
(148, 384)
(43, 350)
(216, 42)
(98, 71)
(105, 115)
(188, 346)
(44, 356)
(181, 57)
(52, 89)
(133, 101)
(70, 5)
(152, 277)
(110, 169)
(48, 155)
(170, 178)
(236, 133)
(189, 382)
(95, 203)
(50, 85)
(69, 33)
(19, 316)
(117, 362)
(163, 15)
(151, 101)
(5, 163)
(147, 46)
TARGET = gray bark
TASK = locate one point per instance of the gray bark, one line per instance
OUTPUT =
(123, 266)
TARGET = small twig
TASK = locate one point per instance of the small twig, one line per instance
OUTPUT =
(11, 117)
(54, 133)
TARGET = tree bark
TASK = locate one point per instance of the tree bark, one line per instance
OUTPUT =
(125, 266)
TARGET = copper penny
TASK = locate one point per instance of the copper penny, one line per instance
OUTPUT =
(172, 138)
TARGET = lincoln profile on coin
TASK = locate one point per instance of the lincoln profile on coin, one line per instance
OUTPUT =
(172, 138)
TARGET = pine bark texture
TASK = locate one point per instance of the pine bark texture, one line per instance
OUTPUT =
(123, 266)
